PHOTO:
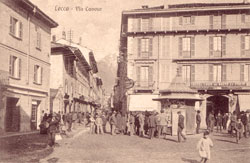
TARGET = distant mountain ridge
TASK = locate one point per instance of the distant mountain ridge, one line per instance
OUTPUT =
(107, 69)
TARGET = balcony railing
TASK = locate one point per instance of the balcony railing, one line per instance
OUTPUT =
(219, 84)
(199, 26)
(145, 85)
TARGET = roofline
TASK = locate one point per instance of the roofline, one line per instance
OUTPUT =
(180, 10)
(46, 18)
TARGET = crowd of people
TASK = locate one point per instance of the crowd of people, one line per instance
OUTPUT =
(237, 125)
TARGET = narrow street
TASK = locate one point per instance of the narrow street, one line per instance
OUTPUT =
(122, 149)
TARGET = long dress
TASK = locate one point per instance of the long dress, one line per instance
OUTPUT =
(204, 147)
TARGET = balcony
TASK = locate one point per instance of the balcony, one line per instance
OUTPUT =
(219, 85)
(198, 27)
(144, 85)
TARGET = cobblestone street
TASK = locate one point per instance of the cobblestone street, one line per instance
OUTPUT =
(120, 148)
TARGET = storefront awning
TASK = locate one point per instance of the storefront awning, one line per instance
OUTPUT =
(244, 102)
(142, 103)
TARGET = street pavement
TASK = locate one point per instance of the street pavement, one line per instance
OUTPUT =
(89, 148)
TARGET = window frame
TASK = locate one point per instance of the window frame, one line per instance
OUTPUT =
(37, 75)
(16, 28)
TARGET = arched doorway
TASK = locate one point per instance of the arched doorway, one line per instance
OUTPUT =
(217, 104)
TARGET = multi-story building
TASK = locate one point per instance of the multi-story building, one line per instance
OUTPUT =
(75, 67)
(71, 79)
(24, 57)
(207, 44)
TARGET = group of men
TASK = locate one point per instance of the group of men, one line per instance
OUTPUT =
(152, 124)
(236, 124)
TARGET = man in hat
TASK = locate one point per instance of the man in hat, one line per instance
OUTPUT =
(152, 120)
(53, 123)
(180, 127)
(239, 127)
(198, 121)
(113, 122)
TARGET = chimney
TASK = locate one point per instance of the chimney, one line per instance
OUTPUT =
(54, 38)
(80, 41)
(64, 35)
(246, 1)
(145, 6)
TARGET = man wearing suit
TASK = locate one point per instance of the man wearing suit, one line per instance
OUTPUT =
(53, 124)
(152, 125)
(180, 127)
(198, 122)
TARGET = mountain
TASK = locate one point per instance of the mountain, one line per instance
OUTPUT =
(107, 69)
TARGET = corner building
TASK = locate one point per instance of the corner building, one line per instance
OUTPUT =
(25, 61)
(207, 44)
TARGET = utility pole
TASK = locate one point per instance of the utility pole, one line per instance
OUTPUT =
(71, 35)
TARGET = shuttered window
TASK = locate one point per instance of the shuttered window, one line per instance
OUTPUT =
(145, 47)
(15, 68)
(217, 46)
(186, 73)
(38, 37)
(244, 72)
(245, 45)
(16, 28)
(186, 47)
(217, 73)
(145, 24)
(38, 74)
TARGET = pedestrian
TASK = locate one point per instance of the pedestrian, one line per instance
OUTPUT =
(198, 122)
(69, 121)
(74, 119)
(180, 127)
(92, 123)
(79, 117)
(244, 120)
(162, 126)
(113, 123)
(211, 120)
(146, 128)
(204, 146)
(224, 121)
(239, 130)
(131, 124)
(104, 122)
(233, 120)
(99, 123)
(141, 123)
(53, 128)
(219, 122)
(152, 125)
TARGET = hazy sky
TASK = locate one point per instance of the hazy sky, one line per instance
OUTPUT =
(99, 29)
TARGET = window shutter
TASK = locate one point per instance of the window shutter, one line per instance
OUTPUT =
(192, 73)
(150, 47)
(138, 75)
(192, 20)
(243, 18)
(11, 25)
(192, 44)
(139, 24)
(134, 25)
(163, 46)
(241, 72)
(150, 24)
(242, 45)
(20, 30)
(20, 67)
(224, 72)
(180, 46)
(11, 66)
(211, 19)
(35, 73)
(180, 20)
(179, 70)
(223, 45)
(150, 74)
(211, 70)
(223, 21)
(211, 45)
(41, 78)
(139, 47)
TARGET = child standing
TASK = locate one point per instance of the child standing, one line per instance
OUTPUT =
(204, 147)
(92, 123)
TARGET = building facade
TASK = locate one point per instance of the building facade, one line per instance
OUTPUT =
(206, 44)
(75, 67)
(25, 55)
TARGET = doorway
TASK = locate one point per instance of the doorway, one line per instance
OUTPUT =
(33, 118)
(12, 116)
(217, 104)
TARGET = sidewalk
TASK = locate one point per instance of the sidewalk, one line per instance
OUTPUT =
(10, 134)
(30, 146)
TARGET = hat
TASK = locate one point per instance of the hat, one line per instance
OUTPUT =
(179, 112)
